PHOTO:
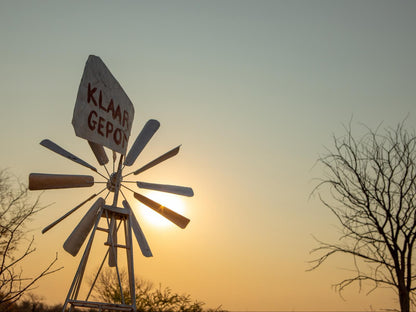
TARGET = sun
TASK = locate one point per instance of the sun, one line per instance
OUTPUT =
(171, 201)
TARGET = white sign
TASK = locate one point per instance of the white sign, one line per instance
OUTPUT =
(103, 112)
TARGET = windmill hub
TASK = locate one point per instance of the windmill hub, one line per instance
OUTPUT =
(113, 182)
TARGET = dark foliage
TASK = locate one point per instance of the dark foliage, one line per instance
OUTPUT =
(148, 297)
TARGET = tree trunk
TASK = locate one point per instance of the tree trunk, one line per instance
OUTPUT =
(404, 296)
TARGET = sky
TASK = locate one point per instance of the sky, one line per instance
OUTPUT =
(253, 90)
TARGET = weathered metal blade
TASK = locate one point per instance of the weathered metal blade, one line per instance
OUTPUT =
(99, 153)
(112, 240)
(171, 215)
(80, 233)
(174, 189)
(45, 181)
(142, 139)
(141, 239)
(158, 160)
(59, 150)
(67, 214)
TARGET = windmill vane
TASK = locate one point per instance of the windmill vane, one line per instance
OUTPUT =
(103, 112)
(103, 115)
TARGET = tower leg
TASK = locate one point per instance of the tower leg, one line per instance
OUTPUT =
(76, 283)
(130, 263)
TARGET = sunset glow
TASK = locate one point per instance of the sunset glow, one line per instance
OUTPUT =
(248, 94)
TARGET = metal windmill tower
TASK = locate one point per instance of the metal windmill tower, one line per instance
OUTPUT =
(103, 115)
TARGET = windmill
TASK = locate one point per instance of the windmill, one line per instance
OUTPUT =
(103, 115)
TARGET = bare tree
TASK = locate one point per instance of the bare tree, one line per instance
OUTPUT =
(371, 184)
(16, 209)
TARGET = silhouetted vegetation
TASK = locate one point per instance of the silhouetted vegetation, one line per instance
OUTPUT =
(371, 185)
(31, 304)
(16, 209)
(148, 297)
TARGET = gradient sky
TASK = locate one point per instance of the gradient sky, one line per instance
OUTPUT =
(253, 90)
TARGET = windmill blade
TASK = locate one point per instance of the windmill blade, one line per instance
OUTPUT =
(141, 239)
(171, 215)
(80, 233)
(67, 214)
(112, 240)
(142, 139)
(174, 189)
(45, 181)
(158, 160)
(99, 153)
(59, 150)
